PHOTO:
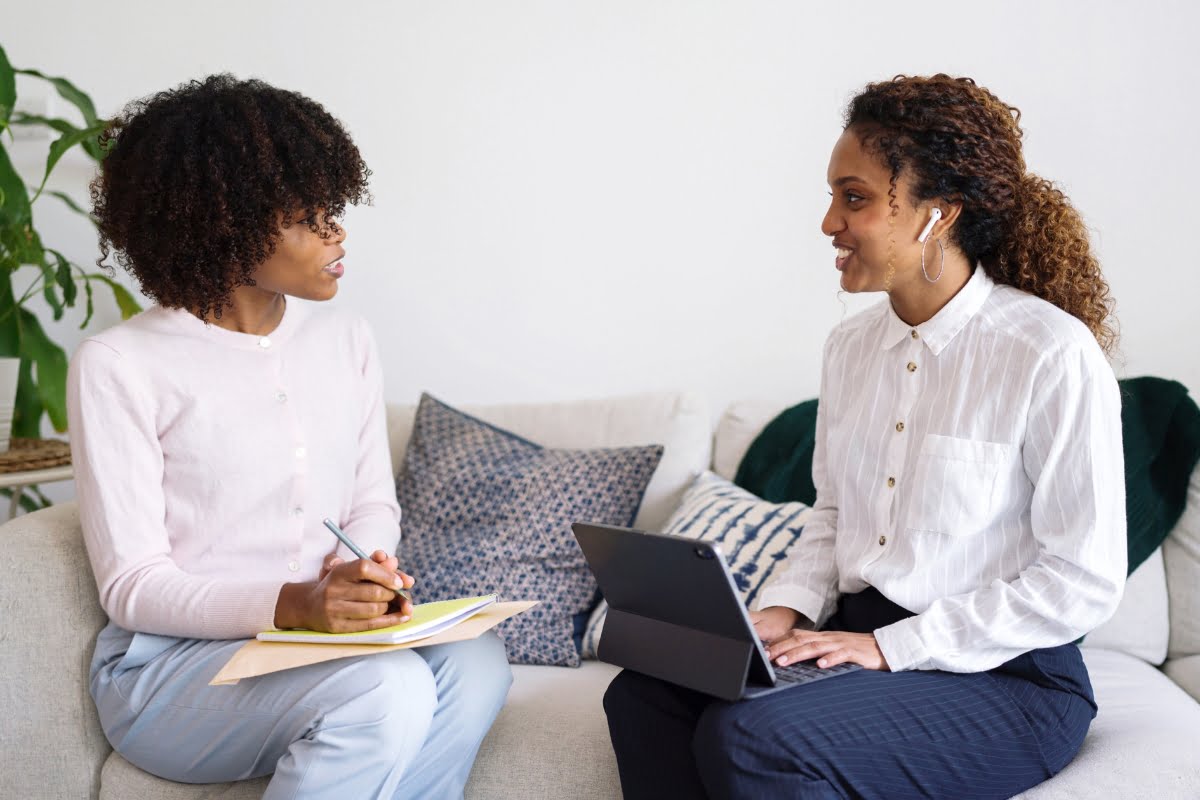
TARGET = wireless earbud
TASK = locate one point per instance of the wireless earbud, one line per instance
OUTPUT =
(934, 216)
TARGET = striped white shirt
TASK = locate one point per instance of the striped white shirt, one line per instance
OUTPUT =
(971, 470)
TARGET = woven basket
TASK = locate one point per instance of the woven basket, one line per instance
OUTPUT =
(29, 454)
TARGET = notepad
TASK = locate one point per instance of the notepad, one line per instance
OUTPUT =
(428, 619)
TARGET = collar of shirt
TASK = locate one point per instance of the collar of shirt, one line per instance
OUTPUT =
(945, 324)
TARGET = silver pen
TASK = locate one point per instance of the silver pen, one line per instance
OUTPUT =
(338, 532)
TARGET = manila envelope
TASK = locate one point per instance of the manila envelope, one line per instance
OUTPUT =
(259, 658)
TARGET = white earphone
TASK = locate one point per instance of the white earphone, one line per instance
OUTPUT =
(934, 216)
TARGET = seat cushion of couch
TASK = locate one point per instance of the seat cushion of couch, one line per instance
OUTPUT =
(1142, 742)
(550, 740)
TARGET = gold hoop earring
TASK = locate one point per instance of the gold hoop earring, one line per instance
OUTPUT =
(941, 261)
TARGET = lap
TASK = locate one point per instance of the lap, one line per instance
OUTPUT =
(158, 710)
(879, 734)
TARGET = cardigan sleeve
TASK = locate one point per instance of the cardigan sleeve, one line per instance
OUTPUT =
(118, 465)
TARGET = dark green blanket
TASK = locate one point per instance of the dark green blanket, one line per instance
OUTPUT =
(1161, 431)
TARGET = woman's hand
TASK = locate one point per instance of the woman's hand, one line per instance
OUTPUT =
(830, 648)
(774, 622)
(347, 596)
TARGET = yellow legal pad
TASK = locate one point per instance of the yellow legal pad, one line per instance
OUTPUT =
(260, 658)
(427, 619)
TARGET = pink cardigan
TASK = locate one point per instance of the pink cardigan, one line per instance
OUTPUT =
(206, 459)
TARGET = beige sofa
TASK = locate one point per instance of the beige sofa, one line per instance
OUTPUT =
(551, 740)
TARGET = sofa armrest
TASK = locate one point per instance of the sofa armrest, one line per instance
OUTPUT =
(49, 618)
(1185, 672)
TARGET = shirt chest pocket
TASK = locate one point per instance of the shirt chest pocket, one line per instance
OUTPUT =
(954, 489)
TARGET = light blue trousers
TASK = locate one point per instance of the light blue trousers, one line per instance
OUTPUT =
(402, 724)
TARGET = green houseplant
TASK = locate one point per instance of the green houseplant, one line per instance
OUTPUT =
(41, 384)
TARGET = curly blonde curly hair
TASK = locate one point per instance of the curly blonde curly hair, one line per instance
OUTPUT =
(961, 143)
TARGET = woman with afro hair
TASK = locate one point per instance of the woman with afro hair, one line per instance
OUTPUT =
(969, 524)
(212, 433)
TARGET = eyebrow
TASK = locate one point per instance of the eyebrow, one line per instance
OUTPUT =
(842, 181)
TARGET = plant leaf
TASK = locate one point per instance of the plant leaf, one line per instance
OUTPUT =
(10, 331)
(69, 92)
(92, 146)
(51, 363)
(48, 284)
(8, 89)
(62, 144)
(87, 290)
(27, 413)
(64, 279)
(129, 306)
(14, 207)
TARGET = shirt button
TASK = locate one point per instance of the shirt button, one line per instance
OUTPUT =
(899, 427)
(297, 512)
(915, 335)
(891, 482)
(301, 452)
(912, 367)
(294, 566)
(264, 343)
(882, 541)
(281, 397)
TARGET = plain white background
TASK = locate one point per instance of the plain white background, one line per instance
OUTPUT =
(585, 199)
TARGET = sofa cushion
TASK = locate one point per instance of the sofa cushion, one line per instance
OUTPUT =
(1140, 625)
(1181, 554)
(550, 740)
(1142, 742)
(754, 536)
(121, 780)
(680, 422)
(738, 427)
(1185, 672)
(488, 511)
(49, 618)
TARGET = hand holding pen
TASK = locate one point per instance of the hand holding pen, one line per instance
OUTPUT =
(400, 588)
(348, 596)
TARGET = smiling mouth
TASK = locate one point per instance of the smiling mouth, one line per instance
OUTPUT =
(842, 255)
(334, 268)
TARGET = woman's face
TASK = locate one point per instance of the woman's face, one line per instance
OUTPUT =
(303, 265)
(858, 220)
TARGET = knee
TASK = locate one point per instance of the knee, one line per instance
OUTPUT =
(397, 694)
(473, 676)
(724, 747)
(630, 691)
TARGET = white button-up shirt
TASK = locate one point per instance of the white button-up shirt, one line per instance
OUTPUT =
(971, 470)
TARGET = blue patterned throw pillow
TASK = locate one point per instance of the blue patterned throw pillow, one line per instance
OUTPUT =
(488, 511)
(753, 534)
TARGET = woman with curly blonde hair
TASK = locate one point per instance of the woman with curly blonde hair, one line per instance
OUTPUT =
(969, 525)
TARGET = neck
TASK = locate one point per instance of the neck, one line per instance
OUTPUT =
(918, 300)
(250, 310)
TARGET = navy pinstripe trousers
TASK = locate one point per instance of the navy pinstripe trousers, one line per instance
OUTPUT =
(863, 735)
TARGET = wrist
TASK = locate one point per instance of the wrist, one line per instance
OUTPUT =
(291, 604)
(789, 617)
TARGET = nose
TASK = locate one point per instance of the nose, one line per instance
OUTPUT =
(833, 223)
(340, 236)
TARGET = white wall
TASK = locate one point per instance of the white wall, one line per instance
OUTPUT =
(578, 199)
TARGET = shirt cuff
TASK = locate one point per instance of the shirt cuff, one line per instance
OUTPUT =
(902, 646)
(797, 598)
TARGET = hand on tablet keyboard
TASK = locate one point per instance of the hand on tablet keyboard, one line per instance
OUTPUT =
(829, 648)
